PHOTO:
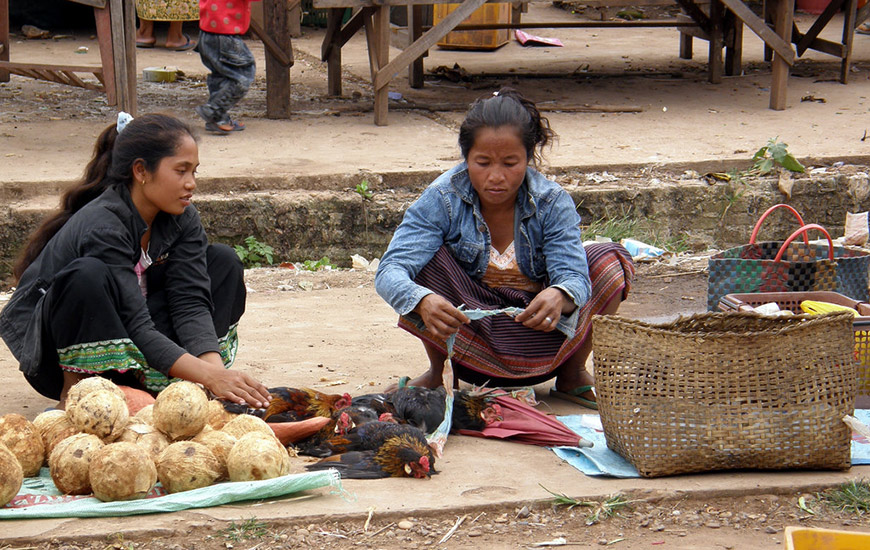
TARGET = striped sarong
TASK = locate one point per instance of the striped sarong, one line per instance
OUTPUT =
(499, 350)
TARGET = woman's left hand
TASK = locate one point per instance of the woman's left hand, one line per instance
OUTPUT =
(545, 309)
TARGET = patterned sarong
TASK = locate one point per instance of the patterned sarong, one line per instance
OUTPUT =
(500, 348)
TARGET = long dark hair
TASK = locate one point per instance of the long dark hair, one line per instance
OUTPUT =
(149, 138)
(507, 107)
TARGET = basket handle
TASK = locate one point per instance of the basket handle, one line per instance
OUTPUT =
(803, 230)
(767, 212)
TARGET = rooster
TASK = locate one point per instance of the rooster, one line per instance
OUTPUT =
(342, 422)
(303, 403)
(474, 411)
(415, 405)
(370, 437)
(398, 456)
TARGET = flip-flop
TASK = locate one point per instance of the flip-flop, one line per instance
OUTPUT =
(574, 396)
(189, 45)
(863, 28)
(144, 44)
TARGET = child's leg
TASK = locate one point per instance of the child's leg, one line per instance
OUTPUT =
(232, 69)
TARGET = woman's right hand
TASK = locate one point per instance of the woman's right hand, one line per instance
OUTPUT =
(232, 385)
(440, 316)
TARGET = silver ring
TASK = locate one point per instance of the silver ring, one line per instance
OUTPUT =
(549, 321)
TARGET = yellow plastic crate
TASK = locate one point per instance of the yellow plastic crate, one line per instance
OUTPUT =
(809, 538)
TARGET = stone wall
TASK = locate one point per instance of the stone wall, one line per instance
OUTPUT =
(326, 217)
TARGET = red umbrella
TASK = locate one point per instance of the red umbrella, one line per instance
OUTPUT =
(525, 424)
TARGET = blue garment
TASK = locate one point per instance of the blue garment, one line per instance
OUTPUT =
(547, 239)
(232, 69)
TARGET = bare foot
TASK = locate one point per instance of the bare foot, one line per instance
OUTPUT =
(583, 378)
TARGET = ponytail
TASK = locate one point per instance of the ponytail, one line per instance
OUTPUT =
(149, 138)
(507, 107)
(91, 186)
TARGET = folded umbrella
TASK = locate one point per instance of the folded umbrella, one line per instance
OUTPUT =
(525, 424)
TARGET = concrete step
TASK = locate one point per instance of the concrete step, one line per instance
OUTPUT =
(328, 218)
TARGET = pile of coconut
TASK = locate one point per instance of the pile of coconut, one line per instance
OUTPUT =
(182, 439)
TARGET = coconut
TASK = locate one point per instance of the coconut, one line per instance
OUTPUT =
(257, 456)
(245, 424)
(22, 438)
(152, 440)
(69, 463)
(121, 471)
(11, 475)
(88, 385)
(186, 465)
(54, 426)
(220, 443)
(145, 415)
(180, 410)
(217, 415)
(102, 413)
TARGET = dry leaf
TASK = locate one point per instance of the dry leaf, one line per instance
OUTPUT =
(786, 182)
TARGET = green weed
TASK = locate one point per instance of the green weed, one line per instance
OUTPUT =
(255, 253)
(598, 511)
(626, 226)
(316, 265)
(853, 497)
(250, 528)
(362, 189)
(773, 154)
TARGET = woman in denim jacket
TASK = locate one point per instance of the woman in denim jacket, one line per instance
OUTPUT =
(122, 283)
(493, 233)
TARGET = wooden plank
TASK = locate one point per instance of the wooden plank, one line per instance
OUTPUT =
(4, 37)
(696, 13)
(429, 39)
(382, 40)
(371, 47)
(277, 32)
(820, 23)
(50, 67)
(74, 80)
(862, 14)
(271, 45)
(783, 17)
(773, 39)
(734, 46)
(100, 4)
(104, 40)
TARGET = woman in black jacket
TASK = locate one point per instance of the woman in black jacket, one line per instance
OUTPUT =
(122, 283)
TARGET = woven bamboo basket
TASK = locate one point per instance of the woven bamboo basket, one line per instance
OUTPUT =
(719, 391)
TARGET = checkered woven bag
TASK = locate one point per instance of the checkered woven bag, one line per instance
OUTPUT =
(788, 266)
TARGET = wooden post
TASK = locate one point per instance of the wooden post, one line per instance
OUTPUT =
(415, 31)
(103, 19)
(850, 11)
(734, 47)
(277, 75)
(714, 63)
(295, 16)
(382, 56)
(333, 57)
(783, 18)
(4, 37)
(132, 104)
(116, 16)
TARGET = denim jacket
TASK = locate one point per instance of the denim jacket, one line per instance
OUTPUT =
(109, 228)
(546, 239)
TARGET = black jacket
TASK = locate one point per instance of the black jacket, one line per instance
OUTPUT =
(110, 229)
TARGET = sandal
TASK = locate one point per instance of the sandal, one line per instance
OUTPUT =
(144, 44)
(189, 45)
(863, 28)
(574, 396)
